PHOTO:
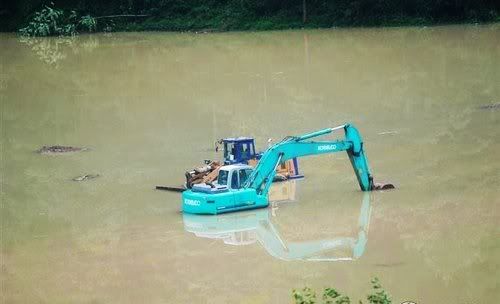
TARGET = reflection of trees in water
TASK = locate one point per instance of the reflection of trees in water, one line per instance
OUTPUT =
(3, 78)
(49, 51)
(53, 51)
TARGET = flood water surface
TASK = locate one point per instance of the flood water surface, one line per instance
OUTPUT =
(150, 106)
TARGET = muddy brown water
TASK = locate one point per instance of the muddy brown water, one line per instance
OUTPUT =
(151, 105)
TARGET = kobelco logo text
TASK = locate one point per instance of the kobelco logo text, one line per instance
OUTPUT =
(191, 202)
(327, 147)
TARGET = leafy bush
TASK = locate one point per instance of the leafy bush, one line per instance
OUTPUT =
(331, 296)
(55, 22)
(46, 22)
(378, 296)
(88, 23)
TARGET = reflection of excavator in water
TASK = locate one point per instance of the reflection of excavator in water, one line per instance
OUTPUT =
(247, 227)
(241, 187)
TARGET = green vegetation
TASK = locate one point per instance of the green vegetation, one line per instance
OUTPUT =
(221, 15)
(55, 22)
(332, 296)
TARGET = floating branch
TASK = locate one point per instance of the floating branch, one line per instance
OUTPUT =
(117, 16)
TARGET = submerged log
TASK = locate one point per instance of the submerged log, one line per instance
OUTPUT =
(169, 188)
(85, 177)
(60, 149)
(493, 106)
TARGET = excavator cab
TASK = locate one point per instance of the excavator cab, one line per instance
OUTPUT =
(238, 150)
(234, 176)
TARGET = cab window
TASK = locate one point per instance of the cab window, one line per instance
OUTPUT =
(222, 179)
(244, 174)
(234, 181)
(229, 151)
(245, 151)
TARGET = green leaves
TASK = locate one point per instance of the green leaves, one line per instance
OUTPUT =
(88, 23)
(378, 296)
(55, 22)
(305, 296)
(332, 296)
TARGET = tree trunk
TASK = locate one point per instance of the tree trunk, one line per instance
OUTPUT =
(304, 11)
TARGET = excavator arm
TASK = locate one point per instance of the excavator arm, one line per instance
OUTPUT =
(300, 146)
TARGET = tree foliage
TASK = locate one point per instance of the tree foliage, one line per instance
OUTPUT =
(331, 296)
(260, 14)
(55, 22)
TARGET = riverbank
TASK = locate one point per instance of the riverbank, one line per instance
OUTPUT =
(270, 24)
(241, 15)
(267, 24)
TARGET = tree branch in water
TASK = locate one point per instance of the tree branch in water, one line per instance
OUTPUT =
(116, 16)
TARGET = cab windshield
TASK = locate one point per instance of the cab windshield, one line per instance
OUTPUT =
(244, 175)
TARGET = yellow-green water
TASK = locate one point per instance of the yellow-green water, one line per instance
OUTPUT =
(151, 105)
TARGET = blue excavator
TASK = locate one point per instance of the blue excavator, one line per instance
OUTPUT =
(241, 187)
